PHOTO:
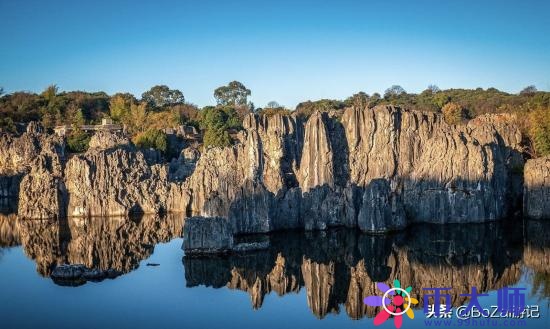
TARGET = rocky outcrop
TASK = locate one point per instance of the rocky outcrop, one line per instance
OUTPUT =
(104, 140)
(376, 169)
(43, 193)
(31, 169)
(381, 209)
(18, 154)
(118, 181)
(207, 235)
(214, 235)
(536, 195)
(75, 275)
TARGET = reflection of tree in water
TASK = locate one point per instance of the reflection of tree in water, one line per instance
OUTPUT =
(98, 243)
(340, 267)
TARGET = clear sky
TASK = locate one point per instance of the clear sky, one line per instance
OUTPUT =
(287, 51)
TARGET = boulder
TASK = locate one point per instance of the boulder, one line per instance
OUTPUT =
(104, 139)
(207, 235)
(78, 274)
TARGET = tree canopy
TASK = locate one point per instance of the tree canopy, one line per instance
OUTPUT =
(235, 93)
(161, 96)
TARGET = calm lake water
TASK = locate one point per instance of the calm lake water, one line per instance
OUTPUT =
(304, 280)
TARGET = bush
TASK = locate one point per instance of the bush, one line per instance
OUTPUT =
(454, 114)
(152, 138)
(7, 125)
(539, 130)
(78, 142)
(217, 137)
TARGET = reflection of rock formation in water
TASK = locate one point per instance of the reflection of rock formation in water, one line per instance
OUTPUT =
(536, 255)
(98, 243)
(341, 267)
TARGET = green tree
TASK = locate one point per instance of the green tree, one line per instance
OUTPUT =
(539, 130)
(152, 138)
(217, 137)
(394, 91)
(78, 141)
(433, 89)
(359, 100)
(161, 96)
(137, 119)
(528, 91)
(50, 93)
(235, 93)
(119, 106)
(272, 105)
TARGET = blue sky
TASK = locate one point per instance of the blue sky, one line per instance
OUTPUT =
(287, 51)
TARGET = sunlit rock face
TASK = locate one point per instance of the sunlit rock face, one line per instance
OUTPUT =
(115, 244)
(377, 169)
(113, 178)
(338, 268)
(31, 169)
(536, 195)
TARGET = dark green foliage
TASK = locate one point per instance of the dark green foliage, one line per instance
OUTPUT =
(216, 121)
(78, 141)
(7, 125)
(152, 138)
(305, 109)
(217, 137)
(273, 111)
(161, 96)
(538, 124)
(235, 93)
(394, 91)
(359, 100)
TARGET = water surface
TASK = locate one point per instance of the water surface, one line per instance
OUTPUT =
(304, 280)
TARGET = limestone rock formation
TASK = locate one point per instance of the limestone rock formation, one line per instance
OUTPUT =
(114, 178)
(104, 139)
(381, 209)
(40, 156)
(19, 153)
(207, 236)
(42, 193)
(115, 182)
(376, 169)
(536, 195)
